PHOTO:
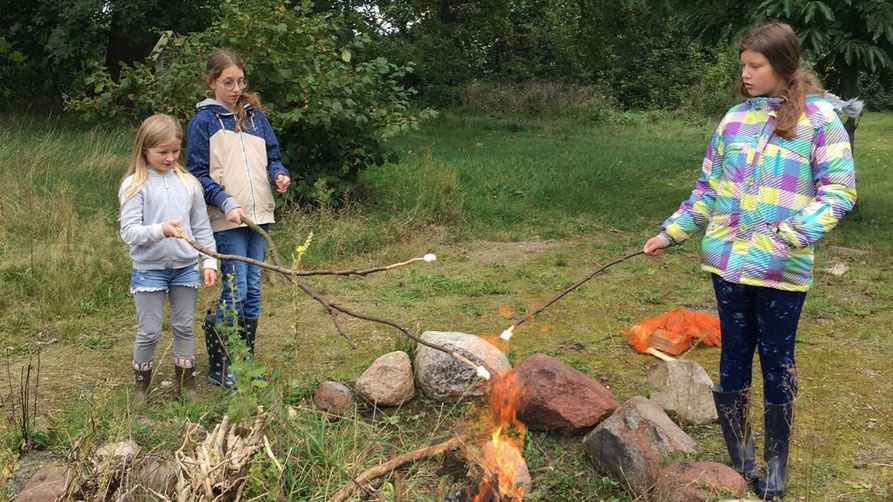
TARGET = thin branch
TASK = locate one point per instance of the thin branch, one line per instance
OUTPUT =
(277, 262)
(559, 296)
(330, 306)
(396, 462)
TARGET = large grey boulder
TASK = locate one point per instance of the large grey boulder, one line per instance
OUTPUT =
(114, 456)
(682, 388)
(630, 444)
(388, 382)
(560, 398)
(158, 474)
(440, 376)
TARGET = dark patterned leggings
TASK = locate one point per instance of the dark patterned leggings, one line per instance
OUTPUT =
(753, 317)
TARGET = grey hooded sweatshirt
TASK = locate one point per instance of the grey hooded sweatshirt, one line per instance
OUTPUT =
(163, 198)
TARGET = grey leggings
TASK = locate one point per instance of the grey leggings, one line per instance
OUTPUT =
(149, 308)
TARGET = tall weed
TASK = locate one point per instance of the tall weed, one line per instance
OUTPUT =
(61, 257)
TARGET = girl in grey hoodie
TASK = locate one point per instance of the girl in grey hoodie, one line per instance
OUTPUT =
(161, 201)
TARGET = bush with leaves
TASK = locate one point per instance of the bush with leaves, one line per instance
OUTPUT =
(333, 110)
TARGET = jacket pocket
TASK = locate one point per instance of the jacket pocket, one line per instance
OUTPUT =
(778, 246)
(719, 227)
(734, 157)
(779, 159)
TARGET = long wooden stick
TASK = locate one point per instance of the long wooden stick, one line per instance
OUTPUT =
(396, 462)
(331, 307)
(277, 263)
(507, 333)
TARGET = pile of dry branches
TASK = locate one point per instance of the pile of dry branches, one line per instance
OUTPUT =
(217, 468)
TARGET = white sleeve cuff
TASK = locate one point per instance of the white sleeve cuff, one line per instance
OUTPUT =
(665, 239)
(209, 263)
(156, 232)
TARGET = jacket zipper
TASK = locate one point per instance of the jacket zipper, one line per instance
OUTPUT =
(248, 172)
(167, 192)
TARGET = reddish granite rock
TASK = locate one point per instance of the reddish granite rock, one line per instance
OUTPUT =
(697, 482)
(560, 398)
(333, 397)
(46, 485)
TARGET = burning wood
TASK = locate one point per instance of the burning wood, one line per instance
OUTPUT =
(505, 475)
(482, 493)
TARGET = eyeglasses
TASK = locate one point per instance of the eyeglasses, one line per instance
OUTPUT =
(231, 84)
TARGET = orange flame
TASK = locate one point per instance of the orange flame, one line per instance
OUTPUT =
(502, 458)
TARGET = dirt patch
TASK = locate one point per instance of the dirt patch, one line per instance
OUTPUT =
(509, 254)
(28, 465)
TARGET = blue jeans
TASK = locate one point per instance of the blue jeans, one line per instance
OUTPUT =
(752, 317)
(245, 278)
(146, 281)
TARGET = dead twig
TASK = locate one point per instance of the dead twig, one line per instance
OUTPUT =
(216, 468)
(331, 307)
(396, 462)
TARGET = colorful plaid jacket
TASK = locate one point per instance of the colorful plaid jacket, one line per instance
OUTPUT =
(766, 200)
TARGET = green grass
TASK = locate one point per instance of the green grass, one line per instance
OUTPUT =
(516, 210)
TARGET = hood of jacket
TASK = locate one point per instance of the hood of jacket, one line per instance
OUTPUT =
(217, 106)
(852, 108)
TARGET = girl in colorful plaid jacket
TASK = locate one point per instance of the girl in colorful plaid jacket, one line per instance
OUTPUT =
(777, 176)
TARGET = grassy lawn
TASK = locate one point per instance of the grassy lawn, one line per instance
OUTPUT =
(515, 210)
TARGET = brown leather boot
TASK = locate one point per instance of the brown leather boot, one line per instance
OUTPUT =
(142, 379)
(186, 384)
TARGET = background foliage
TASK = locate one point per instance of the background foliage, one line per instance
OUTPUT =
(341, 77)
(333, 104)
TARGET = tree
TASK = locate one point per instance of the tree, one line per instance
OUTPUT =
(844, 36)
(333, 105)
(59, 41)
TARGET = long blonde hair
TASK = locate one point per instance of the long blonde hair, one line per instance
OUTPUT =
(220, 60)
(156, 130)
(778, 42)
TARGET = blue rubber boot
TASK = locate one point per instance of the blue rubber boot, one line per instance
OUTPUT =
(778, 420)
(732, 410)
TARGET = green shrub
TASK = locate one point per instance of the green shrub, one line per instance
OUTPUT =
(333, 110)
(876, 89)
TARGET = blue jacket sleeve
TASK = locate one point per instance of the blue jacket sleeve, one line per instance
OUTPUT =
(274, 155)
(198, 142)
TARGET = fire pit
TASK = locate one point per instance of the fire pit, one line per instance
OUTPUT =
(485, 492)
(504, 475)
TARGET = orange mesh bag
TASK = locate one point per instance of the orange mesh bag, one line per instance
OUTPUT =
(673, 332)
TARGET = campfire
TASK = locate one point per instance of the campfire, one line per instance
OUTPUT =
(504, 476)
